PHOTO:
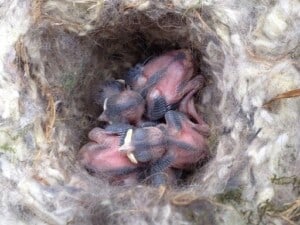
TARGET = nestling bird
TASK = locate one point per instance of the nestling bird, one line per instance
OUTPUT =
(186, 144)
(125, 107)
(102, 156)
(137, 145)
(167, 94)
(187, 106)
(108, 89)
(142, 75)
(164, 81)
(144, 145)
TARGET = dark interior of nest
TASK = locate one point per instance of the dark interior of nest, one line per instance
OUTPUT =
(113, 51)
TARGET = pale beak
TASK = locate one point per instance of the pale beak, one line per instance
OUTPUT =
(105, 104)
(132, 158)
(121, 81)
(128, 148)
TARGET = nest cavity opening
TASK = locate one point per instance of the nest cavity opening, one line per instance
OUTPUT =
(68, 65)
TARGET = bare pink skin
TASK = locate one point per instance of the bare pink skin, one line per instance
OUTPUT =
(100, 136)
(190, 133)
(153, 66)
(102, 155)
(175, 81)
(187, 106)
(174, 84)
(125, 180)
(102, 158)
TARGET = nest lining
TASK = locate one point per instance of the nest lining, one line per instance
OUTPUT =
(68, 68)
(72, 48)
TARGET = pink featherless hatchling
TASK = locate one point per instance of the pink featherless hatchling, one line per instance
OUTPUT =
(102, 156)
(164, 81)
(186, 145)
(144, 144)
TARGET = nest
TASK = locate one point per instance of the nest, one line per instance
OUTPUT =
(250, 102)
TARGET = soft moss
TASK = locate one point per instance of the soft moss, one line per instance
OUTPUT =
(231, 195)
(68, 81)
(288, 180)
(6, 148)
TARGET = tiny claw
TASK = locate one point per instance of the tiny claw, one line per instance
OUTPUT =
(161, 190)
(203, 129)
